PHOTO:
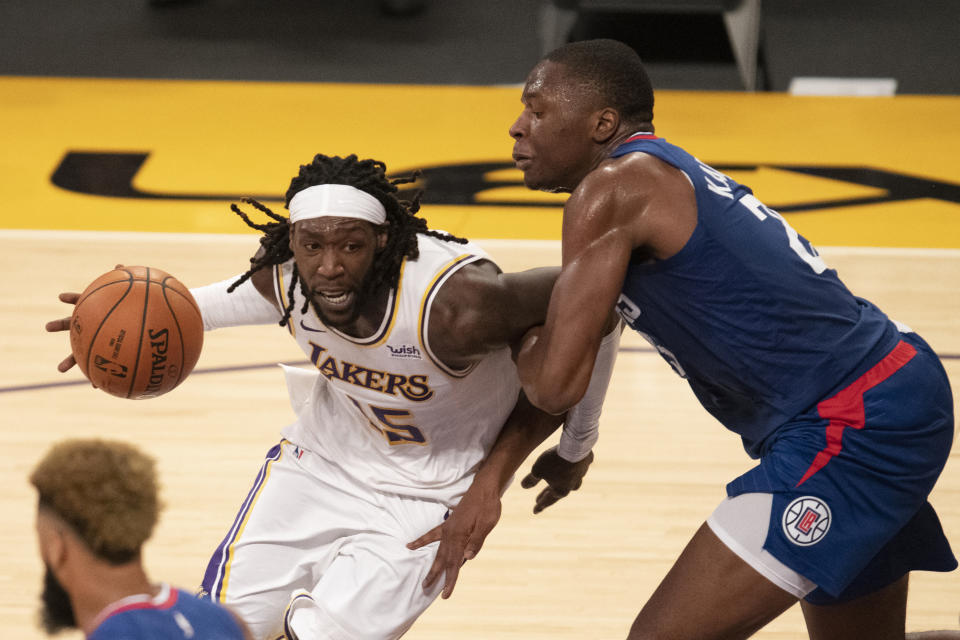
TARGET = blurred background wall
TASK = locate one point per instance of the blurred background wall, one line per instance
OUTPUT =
(686, 43)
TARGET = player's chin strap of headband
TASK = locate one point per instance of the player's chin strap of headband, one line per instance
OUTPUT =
(340, 200)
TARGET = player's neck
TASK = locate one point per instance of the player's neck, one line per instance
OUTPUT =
(102, 585)
(601, 154)
(621, 137)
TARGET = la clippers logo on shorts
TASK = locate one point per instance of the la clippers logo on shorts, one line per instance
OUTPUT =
(806, 520)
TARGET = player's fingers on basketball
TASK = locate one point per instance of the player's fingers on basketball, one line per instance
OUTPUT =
(530, 480)
(66, 364)
(69, 297)
(430, 536)
(63, 324)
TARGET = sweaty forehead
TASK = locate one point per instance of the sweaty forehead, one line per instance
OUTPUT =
(541, 78)
(555, 82)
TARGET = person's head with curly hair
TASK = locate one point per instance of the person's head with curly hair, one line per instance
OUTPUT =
(106, 491)
(385, 244)
(98, 505)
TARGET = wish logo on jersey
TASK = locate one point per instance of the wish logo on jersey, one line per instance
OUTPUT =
(806, 520)
(413, 387)
(404, 351)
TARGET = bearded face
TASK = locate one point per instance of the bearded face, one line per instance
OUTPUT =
(56, 611)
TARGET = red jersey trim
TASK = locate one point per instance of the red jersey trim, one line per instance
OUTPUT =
(845, 409)
(640, 136)
(165, 599)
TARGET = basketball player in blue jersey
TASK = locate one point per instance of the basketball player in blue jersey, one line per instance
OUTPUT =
(98, 505)
(848, 412)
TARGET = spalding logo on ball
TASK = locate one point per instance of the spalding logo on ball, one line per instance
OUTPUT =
(136, 332)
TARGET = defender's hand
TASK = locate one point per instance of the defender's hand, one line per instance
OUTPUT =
(461, 536)
(63, 324)
(561, 477)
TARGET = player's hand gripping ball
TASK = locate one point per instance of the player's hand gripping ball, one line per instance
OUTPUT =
(136, 332)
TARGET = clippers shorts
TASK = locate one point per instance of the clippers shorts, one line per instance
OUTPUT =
(849, 479)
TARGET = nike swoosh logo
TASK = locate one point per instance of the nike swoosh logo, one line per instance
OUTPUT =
(310, 328)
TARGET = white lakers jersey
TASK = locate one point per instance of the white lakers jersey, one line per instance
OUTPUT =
(384, 408)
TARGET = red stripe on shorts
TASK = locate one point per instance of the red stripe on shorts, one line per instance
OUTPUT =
(845, 409)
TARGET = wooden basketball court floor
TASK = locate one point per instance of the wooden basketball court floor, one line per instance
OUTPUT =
(583, 568)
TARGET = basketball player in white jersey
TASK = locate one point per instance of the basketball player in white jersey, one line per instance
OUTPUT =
(410, 331)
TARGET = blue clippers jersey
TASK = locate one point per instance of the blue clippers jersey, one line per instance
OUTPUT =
(747, 312)
(171, 615)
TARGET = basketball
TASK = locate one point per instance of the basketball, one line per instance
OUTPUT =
(136, 332)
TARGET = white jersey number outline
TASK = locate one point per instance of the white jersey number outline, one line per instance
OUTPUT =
(394, 432)
(806, 253)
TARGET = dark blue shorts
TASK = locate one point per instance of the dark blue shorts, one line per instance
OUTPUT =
(851, 476)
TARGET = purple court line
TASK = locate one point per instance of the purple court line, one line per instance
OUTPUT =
(82, 381)
(247, 367)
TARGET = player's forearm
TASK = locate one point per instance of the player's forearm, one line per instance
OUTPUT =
(582, 426)
(550, 385)
(555, 361)
(243, 306)
(525, 429)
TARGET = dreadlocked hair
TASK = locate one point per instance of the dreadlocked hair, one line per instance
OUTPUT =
(402, 223)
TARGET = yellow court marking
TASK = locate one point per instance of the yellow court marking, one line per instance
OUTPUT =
(787, 187)
(222, 140)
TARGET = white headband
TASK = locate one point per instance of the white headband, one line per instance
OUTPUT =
(340, 200)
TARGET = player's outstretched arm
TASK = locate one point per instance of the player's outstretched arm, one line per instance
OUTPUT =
(494, 310)
(481, 310)
(224, 305)
(462, 534)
